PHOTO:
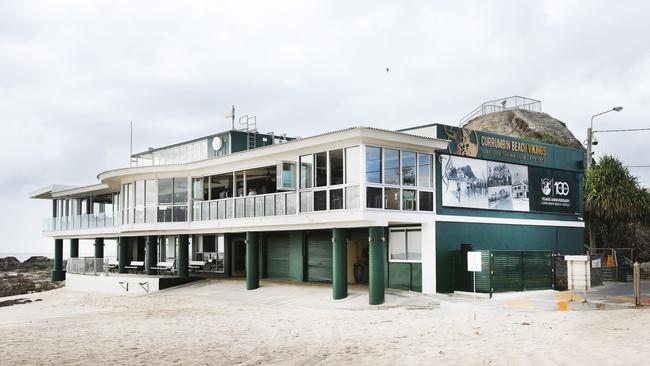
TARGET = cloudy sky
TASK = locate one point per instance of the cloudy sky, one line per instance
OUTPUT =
(74, 74)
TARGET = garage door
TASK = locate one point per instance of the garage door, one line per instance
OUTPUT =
(319, 257)
(277, 255)
(520, 271)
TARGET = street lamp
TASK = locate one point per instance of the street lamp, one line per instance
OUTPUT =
(590, 134)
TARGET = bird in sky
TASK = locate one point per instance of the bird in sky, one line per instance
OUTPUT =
(387, 69)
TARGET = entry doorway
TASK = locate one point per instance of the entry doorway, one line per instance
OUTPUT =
(357, 261)
(238, 250)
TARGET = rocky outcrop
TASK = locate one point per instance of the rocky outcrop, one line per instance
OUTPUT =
(33, 275)
(525, 124)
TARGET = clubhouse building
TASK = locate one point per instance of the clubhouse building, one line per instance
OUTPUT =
(390, 209)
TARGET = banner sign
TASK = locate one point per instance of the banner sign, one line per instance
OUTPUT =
(477, 144)
(483, 184)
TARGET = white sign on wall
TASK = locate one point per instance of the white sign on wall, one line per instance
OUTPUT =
(474, 262)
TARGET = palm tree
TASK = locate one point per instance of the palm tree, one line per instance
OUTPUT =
(613, 200)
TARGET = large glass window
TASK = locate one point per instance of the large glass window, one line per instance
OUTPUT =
(425, 169)
(286, 177)
(180, 190)
(374, 196)
(321, 169)
(139, 193)
(352, 197)
(336, 167)
(320, 200)
(391, 166)
(306, 171)
(426, 201)
(391, 197)
(336, 199)
(373, 164)
(197, 189)
(352, 165)
(151, 193)
(409, 200)
(408, 168)
(165, 190)
(221, 186)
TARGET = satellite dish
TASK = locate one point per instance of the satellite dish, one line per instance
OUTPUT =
(217, 143)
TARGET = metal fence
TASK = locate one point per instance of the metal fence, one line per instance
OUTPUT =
(87, 266)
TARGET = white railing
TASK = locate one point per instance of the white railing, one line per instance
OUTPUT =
(273, 204)
(90, 221)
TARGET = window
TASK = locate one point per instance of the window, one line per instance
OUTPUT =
(165, 189)
(391, 198)
(391, 166)
(408, 200)
(408, 168)
(320, 200)
(306, 201)
(352, 197)
(321, 169)
(373, 197)
(221, 186)
(405, 244)
(151, 193)
(306, 171)
(352, 165)
(197, 189)
(336, 167)
(425, 170)
(336, 199)
(180, 190)
(139, 193)
(239, 183)
(373, 164)
(286, 176)
(426, 201)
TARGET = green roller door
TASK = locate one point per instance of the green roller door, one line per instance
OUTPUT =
(277, 255)
(319, 257)
(507, 271)
(538, 270)
(521, 270)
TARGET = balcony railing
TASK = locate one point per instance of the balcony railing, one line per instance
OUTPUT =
(89, 221)
(274, 204)
(87, 266)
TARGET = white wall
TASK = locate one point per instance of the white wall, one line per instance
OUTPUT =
(111, 284)
(429, 257)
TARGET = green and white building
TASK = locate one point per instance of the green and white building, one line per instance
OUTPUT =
(391, 209)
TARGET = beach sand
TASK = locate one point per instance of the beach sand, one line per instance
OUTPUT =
(218, 322)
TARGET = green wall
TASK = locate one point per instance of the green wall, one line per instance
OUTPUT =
(450, 235)
(296, 258)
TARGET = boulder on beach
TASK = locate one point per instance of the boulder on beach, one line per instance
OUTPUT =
(9, 264)
(37, 262)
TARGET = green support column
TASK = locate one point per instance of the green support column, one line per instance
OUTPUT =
(58, 274)
(339, 264)
(183, 262)
(376, 286)
(74, 248)
(252, 261)
(99, 247)
(122, 244)
(152, 254)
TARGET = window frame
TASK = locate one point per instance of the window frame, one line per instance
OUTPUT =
(406, 230)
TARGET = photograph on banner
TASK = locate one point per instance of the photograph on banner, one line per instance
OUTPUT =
(474, 183)
(464, 182)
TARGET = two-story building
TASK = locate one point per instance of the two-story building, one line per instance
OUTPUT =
(391, 209)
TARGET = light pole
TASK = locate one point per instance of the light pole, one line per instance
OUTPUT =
(590, 133)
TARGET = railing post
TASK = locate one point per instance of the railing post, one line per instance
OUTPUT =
(637, 284)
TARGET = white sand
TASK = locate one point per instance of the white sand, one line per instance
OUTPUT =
(218, 322)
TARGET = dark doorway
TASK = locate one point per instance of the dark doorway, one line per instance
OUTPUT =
(238, 258)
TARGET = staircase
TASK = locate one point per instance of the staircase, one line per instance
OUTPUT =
(609, 274)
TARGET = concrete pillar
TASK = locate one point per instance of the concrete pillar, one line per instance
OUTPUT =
(376, 243)
(152, 254)
(339, 264)
(58, 274)
(182, 261)
(122, 246)
(252, 261)
(99, 247)
(74, 248)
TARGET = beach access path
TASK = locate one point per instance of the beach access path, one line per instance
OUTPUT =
(218, 322)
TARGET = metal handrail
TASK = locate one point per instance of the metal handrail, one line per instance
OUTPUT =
(503, 104)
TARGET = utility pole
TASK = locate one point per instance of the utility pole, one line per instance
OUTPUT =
(590, 133)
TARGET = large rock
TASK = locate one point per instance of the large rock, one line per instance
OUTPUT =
(9, 264)
(37, 263)
(525, 124)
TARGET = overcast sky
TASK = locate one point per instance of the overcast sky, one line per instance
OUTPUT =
(74, 74)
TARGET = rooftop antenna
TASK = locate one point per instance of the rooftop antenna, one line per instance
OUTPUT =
(231, 115)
